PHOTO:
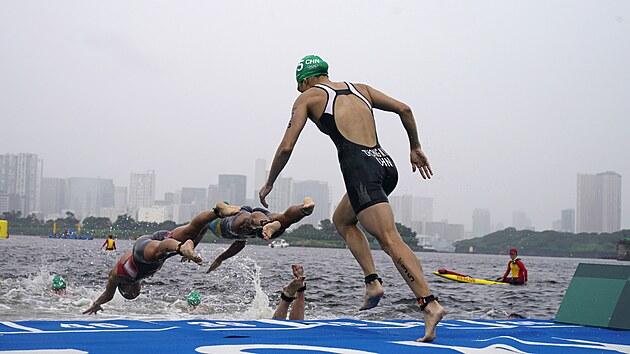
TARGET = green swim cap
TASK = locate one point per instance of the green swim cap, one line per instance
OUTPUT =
(58, 283)
(309, 66)
(194, 298)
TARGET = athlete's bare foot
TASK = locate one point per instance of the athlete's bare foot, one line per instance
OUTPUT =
(297, 282)
(298, 270)
(432, 314)
(373, 294)
(188, 252)
(307, 206)
(271, 228)
(227, 210)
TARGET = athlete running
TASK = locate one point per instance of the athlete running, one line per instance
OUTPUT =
(343, 111)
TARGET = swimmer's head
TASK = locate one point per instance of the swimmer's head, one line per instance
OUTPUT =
(129, 291)
(309, 66)
(58, 282)
(194, 298)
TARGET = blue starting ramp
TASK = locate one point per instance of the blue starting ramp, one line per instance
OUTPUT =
(344, 336)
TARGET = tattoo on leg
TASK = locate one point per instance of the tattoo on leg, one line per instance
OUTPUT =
(404, 267)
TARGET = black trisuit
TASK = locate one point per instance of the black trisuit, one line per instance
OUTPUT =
(368, 172)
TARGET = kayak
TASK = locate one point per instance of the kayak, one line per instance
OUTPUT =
(464, 278)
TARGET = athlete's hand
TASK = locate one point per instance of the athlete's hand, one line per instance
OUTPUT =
(420, 161)
(214, 265)
(194, 258)
(262, 194)
(93, 309)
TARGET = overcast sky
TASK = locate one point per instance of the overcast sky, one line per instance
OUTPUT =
(512, 99)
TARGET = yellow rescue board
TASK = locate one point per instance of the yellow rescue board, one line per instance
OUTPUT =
(466, 279)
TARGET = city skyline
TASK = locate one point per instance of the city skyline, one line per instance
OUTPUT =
(512, 99)
(402, 207)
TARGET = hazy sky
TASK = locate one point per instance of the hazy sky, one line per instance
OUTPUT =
(512, 99)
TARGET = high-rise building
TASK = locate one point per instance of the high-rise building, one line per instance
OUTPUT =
(443, 230)
(280, 197)
(197, 196)
(422, 209)
(320, 192)
(598, 207)
(237, 184)
(217, 194)
(86, 196)
(567, 220)
(183, 213)
(402, 207)
(481, 222)
(142, 190)
(20, 181)
(260, 177)
(121, 197)
(53, 196)
(169, 198)
(521, 221)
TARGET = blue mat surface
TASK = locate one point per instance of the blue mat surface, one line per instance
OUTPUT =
(320, 336)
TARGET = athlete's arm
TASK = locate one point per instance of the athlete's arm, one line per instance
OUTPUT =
(417, 157)
(108, 294)
(232, 251)
(299, 115)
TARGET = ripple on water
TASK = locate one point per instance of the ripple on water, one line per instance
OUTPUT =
(248, 285)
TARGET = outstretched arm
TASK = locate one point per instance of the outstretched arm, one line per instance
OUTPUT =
(418, 159)
(233, 250)
(108, 294)
(299, 115)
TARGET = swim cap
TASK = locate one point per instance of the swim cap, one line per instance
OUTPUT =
(309, 66)
(58, 283)
(513, 251)
(194, 298)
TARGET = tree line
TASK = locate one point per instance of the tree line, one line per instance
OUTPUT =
(546, 243)
(126, 227)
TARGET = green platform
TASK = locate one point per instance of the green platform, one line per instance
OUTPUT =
(599, 295)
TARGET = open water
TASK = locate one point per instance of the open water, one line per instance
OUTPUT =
(248, 286)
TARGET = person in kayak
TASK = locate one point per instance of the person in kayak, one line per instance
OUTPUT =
(516, 266)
